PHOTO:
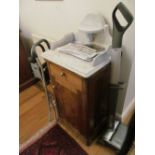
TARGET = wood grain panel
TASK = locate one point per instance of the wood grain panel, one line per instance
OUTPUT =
(66, 78)
(69, 105)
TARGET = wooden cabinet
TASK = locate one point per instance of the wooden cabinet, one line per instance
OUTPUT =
(83, 102)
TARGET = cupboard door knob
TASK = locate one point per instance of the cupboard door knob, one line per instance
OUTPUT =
(62, 74)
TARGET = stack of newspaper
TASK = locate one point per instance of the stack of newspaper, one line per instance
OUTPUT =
(78, 50)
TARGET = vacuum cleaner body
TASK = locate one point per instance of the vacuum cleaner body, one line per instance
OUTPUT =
(40, 71)
(36, 63)
(116, 132)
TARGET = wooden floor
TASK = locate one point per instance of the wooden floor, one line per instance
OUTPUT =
(34, 116)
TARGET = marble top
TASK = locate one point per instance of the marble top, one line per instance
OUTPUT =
(78, 66)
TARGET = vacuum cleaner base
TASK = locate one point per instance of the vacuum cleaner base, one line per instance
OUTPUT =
(114, 137)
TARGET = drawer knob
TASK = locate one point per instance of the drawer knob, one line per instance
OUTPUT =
(53, 86)
(62, 74)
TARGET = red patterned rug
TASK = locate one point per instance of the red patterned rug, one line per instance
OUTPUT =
(55, 142)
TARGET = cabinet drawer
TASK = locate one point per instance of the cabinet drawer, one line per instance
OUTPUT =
(66, 78)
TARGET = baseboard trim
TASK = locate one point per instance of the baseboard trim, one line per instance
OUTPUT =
(27, 84)
(126, 114)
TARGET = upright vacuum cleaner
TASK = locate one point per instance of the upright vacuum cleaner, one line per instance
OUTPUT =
(116, 132)
(40, 71)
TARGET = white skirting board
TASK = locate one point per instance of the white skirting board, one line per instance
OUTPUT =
(128, 110)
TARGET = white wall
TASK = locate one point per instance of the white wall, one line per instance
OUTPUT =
(53, 19)
(130, 94)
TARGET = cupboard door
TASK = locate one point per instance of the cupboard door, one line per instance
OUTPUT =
(69, 105)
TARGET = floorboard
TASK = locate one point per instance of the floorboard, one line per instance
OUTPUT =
(33, 114)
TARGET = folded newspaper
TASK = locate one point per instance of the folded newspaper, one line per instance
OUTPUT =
(78, 50)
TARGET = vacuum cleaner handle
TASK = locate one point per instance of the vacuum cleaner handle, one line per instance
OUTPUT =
(119, 30)
(33, 51)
